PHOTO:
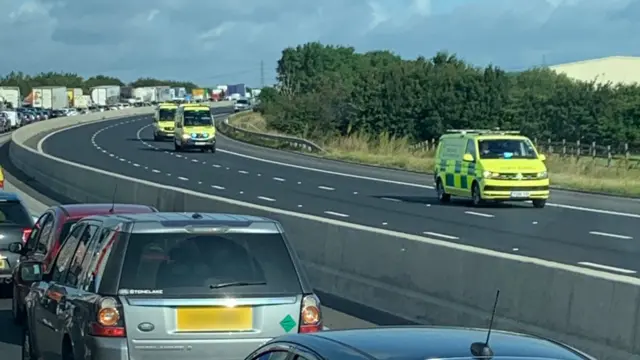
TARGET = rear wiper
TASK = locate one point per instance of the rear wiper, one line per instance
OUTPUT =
(236, 283)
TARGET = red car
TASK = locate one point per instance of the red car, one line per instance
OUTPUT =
(42, 242)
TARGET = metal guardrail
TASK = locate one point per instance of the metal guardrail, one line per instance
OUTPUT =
(271, 140)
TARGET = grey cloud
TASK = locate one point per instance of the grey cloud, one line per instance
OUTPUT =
(224, 41)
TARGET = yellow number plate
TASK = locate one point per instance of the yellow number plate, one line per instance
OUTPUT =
(214, 319)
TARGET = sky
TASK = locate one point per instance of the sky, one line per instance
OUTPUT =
(217, 42)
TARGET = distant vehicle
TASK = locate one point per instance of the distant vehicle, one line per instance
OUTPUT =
(194, 128)
(241, 104)
(15, 224)
(164, 121)
(218, 284)
(43, 240)
(414, 343)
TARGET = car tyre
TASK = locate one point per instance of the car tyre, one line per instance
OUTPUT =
(156, 137)
(213, 149)
(476, 195)
(539, 203)
(176, 147)
(443, 197)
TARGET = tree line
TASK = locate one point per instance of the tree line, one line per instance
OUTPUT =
(27, 82)
(325, 91)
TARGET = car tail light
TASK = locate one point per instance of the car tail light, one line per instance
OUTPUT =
(1, 184)
(310, 315)
(25, 234)
(109, 320)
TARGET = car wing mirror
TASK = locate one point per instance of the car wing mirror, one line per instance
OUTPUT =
(542, 157)
(468, 158)
(16, 247)
(30, 272)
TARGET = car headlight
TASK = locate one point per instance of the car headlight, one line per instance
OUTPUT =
(186, 136)
(543, 175)
(488, 174)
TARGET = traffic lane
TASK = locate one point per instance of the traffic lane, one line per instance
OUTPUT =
(567, 225)
(588, 202)
(11, 334)
(225, 181)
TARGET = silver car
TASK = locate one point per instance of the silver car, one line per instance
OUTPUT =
(167, 286)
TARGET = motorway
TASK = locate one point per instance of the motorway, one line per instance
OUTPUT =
(587, 230)
(10, 336)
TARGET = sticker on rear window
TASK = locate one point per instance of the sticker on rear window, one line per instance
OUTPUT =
(140, 292)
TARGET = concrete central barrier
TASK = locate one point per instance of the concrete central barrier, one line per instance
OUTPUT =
(420, 279)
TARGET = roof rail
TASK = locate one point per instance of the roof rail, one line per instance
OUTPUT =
(496, 131)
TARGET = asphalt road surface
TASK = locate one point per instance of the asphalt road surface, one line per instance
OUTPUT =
(589, 230)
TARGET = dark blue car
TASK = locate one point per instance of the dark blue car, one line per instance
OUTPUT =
(413, 343)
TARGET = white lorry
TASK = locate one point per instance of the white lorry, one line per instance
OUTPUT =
(50, 97)
(11, 95)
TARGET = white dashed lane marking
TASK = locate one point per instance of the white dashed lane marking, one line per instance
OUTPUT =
(266, 198)
(336, 214)
(479, 214)
(326, 188)
(615, 236)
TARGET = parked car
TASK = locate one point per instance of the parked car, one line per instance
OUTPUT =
(219, 285)
(415, 342)
(44, 239)
(15, 223)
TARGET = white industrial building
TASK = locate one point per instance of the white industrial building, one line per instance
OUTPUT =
(615, 69)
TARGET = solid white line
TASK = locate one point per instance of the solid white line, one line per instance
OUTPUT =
(441, 235)
(217, 187)
(391, 199)
(625, 237)
(326, 188)
(606, 267)
(278, 179)
(479, 214)
(266, 198)
(183, 178)
(336, 214)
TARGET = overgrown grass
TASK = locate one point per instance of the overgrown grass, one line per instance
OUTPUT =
(586, 174)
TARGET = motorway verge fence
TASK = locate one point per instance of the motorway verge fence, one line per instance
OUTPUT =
(269, 140)
(414, 277)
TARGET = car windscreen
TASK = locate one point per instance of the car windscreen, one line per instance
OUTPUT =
(232, 264)
(166, 114)
(198, 118)
(243, 102)
(506, 149)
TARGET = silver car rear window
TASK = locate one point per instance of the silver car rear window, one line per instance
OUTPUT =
(234, 264)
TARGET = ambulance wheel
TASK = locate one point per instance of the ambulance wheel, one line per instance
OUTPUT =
(156, 137)
(213, 149)
(539, 203)
(176, 147)
(476, 195)
(443, 197)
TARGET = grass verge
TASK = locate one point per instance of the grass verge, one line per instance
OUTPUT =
(584, 174)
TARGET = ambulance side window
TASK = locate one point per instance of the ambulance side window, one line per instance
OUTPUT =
(471, 148)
